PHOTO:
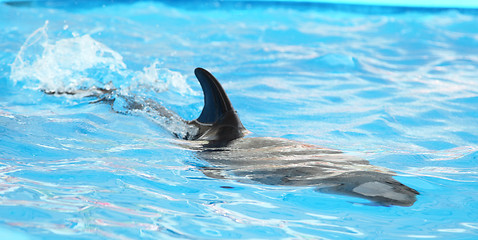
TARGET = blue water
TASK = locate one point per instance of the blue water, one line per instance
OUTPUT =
(398, 88)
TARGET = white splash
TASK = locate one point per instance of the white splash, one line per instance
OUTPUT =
(81, 62)
(158, 79)
(66, 64)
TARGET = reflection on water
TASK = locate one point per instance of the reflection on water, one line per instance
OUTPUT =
(397, 89)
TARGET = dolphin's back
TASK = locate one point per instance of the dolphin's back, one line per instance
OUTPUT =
(277, 161)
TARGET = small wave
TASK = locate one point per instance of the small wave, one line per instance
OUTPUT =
(65, 65)
(81, 62)
(158, 79)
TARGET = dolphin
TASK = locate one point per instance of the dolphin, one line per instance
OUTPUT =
(219, 138)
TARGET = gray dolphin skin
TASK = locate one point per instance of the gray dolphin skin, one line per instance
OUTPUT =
(219, 138)
(276, 161)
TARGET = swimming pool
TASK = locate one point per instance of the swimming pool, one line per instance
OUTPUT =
(395, 86)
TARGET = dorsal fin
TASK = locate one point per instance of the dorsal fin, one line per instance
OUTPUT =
(216, 102)
(218, 122)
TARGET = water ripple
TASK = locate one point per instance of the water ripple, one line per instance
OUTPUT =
(397, 89)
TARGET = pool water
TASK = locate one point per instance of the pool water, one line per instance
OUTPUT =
(397, 87)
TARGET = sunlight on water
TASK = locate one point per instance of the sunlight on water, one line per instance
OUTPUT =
(396, 88)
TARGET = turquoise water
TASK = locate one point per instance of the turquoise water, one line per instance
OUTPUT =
(398, 88)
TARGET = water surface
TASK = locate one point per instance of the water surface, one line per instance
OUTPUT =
(397, 88)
